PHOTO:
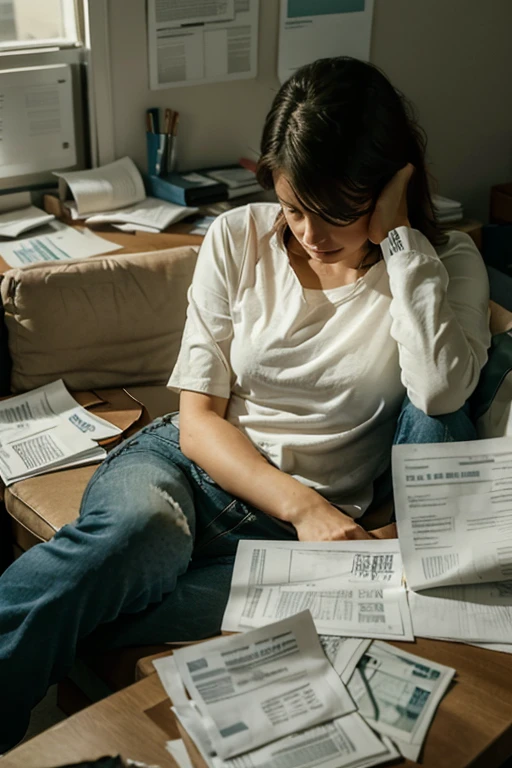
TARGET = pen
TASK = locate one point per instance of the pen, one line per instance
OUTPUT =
(174, 132)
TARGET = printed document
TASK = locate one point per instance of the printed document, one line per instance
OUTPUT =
(112, 186)
(150, 213)
(479, 613)
(259, 686)
(61, 244)
(194, 42)
(13, 223)
(343, 741)
(397, 693)
(344, 653)
(48, 406)
(352, 588)
(454, 511)
(57, 447)
(46, 429)
(315, 29)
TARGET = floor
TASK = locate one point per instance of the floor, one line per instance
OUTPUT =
(45, 714)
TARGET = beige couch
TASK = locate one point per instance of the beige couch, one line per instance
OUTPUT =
(109, 326)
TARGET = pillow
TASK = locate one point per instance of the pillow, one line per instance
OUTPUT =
(102, 322)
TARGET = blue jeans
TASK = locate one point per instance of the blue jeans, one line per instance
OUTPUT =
(148, 561)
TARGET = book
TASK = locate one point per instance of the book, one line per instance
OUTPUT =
(192, 188)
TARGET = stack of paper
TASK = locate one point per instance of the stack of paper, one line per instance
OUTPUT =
(447, 210)
(239, 181)
(453, 508)
(45, 430)
(271, 696)
(115, 194)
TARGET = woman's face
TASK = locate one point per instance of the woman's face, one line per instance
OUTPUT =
(322, 241)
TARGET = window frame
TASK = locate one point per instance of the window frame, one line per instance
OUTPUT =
(93, 110)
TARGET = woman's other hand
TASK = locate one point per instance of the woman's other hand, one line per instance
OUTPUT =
(324, 522)
(391, 208)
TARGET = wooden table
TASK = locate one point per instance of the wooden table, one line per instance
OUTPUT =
(472, 727)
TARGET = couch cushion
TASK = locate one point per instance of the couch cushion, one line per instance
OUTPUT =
(101, 322)
(43, 504)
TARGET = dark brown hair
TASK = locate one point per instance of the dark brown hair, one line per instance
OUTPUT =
(340, 131)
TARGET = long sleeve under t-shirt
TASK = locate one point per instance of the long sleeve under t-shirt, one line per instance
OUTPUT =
(316, 378)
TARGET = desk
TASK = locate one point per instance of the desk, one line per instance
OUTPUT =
(472, 727)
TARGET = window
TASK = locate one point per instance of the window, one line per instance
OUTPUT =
(38, 23)
(38, 37)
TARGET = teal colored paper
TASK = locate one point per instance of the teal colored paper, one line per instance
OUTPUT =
(298, 8)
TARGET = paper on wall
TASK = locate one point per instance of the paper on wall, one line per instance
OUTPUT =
(352, 588)
(316, 29)
(454, 511)
(195, 41)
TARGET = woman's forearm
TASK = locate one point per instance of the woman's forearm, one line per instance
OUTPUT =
(236, 465)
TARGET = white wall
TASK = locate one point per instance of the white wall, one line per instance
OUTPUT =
(450, 57)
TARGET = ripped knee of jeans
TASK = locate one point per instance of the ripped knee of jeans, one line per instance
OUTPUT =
(168, 506)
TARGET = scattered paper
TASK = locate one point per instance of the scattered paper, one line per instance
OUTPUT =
(13, 223)
(178, 752)
(202, 225)
(316, 29)
(344, 741)
(479, 613)
(352, 588)
(49, 405)
(55, 448)
(46, 429)
(61, 245)
(107, 188)
(454, 512)
(151, 212)
(344, 653)
(398, 693)
(221, 43)
(262, 685)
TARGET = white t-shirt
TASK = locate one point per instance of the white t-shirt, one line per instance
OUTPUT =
(316, 378)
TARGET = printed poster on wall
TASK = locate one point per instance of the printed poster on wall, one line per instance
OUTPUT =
(316, 29)
(194, 42)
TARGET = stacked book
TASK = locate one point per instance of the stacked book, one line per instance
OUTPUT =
(447, 210)
(45, 430)
(205, 186)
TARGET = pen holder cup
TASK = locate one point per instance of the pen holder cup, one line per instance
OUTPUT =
(161, 153)
(152, 147)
